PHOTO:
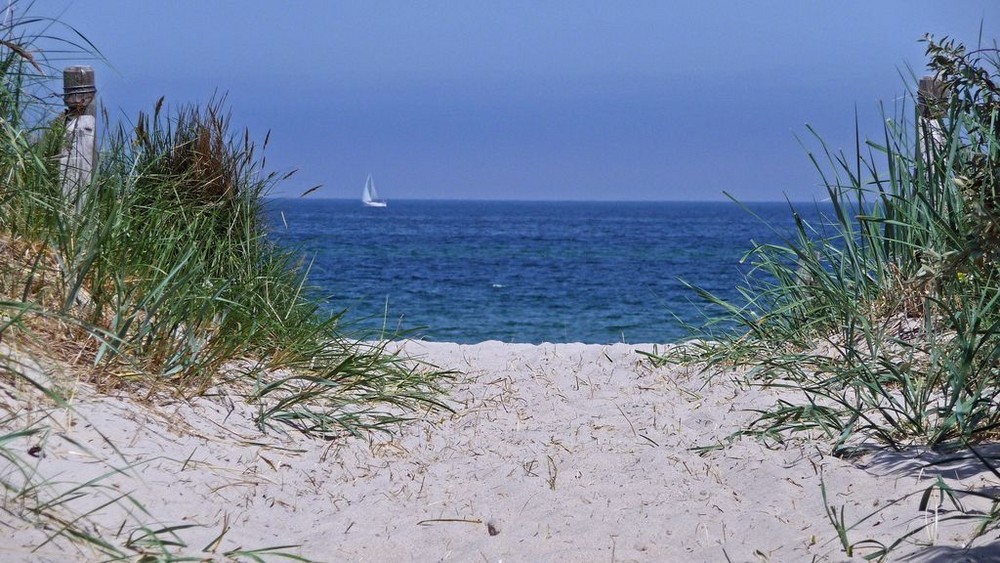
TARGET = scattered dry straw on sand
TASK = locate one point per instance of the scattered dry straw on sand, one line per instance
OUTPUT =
(557, 452)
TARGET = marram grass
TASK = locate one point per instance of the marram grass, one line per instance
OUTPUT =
(884, 323)
(158, 276)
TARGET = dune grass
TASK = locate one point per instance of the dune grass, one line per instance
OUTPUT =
(159, 277)
(884, 320)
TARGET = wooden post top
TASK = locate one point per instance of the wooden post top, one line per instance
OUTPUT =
(932, 97)
(79, 88)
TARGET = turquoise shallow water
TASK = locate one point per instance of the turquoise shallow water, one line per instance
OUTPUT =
(469, 271)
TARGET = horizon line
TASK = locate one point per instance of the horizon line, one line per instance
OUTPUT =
(488, 200)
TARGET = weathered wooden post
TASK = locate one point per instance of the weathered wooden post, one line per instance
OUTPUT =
(932, 104)
(79, 154)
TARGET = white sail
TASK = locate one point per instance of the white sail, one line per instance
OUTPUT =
(369, 196)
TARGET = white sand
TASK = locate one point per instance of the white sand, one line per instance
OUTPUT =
(562, 452)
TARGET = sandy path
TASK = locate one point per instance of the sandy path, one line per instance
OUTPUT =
(556, 452)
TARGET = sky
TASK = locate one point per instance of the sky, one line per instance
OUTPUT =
(527, 100)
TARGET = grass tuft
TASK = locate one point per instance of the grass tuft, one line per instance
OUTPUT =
(882, 323)
(158, 276)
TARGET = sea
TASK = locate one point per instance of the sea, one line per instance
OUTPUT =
(528, 272)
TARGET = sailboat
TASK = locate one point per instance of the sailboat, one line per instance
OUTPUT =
(369, 197)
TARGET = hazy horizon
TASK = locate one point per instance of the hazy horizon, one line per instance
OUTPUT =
(562, 200)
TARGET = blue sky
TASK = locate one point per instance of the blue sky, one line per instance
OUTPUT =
(566, 100)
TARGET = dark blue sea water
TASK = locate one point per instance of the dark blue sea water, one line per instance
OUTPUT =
(469, 271)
